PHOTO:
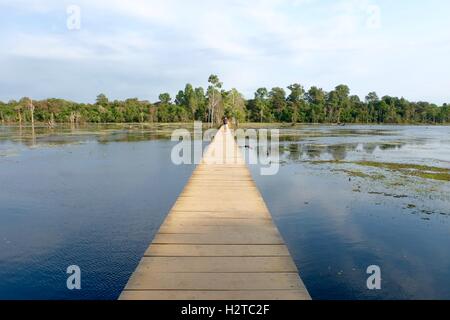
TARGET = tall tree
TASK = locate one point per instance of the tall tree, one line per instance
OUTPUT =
(278, 102)
(164, 108)
(296, 110)
(18, 108)
(214, 100)
(31, 108)
(102, 100)
(342, 95)
(234, 104)
(316, 98)
(201, 111)
(372, 102)
(258, 108)
(190, 100)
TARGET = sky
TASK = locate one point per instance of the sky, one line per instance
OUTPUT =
(135, 48)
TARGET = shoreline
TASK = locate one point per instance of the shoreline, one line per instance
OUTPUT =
(243, 124)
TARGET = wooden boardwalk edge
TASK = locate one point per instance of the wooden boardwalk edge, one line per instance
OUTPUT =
(219, 241)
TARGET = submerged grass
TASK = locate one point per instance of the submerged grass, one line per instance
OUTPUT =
(406, 169)
(422, 171)
(360, 174)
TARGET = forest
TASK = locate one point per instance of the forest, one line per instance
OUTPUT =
(293, 104)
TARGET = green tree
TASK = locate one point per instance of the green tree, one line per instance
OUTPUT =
(215, 106)
(201, 112)
(102, 100)
(296, 107)
(342, 95)
(188, 100)
(372, 102)
(315, 105)
(234, 105)
(316, 99)
(277, 97)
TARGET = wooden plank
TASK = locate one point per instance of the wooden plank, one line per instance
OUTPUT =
(220, 238)
(214, 295)
(245, 208)
(222, 214)
(214, 281)
(218, 241)
(167, 250)
(217, 264)
(237, 228)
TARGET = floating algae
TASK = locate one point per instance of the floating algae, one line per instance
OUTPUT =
(422, 171)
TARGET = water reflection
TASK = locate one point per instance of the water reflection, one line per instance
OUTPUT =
(339, 215)
(421, 145)
(65, 134)
(100, 204)
(65, 201)
(298, 143)
(303, 152)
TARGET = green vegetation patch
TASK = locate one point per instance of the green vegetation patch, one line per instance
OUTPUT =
(320, 162)
(422, 171)
(407, 169)
(360, 174)
(292, 106)
(353, 173)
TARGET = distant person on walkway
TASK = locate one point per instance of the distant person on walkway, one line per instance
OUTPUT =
(225, 123)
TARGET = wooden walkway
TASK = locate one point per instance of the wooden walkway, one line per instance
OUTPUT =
(219, 241)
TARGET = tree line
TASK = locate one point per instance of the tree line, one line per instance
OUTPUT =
(291, 105)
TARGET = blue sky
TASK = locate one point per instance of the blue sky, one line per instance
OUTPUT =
(140, 48)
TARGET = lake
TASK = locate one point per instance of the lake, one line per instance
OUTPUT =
(345, 198)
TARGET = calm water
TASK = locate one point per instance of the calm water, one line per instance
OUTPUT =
(94, 197)
(96, 203)
(340, 218)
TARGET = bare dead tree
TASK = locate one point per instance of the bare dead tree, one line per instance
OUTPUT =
(31, 108)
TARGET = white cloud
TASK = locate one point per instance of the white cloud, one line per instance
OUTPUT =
(248, 43)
